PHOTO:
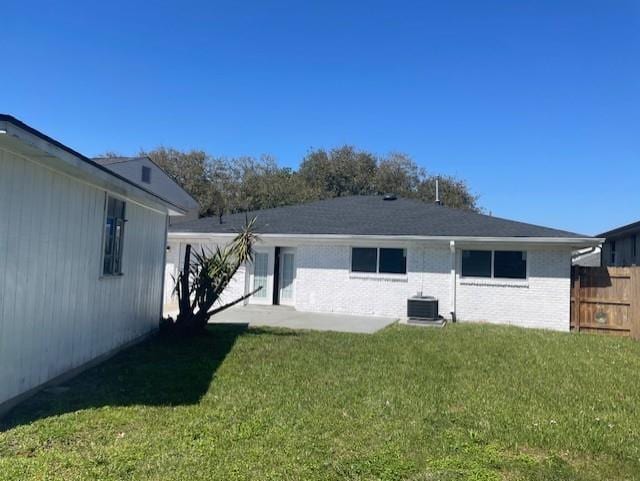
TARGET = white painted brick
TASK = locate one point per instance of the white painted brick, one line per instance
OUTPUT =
(324, 283)
(541, 301)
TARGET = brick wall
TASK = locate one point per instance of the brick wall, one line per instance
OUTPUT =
(541, 301)
(324, 282)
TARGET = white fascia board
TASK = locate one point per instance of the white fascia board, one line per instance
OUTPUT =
(32, 147)
(340, 238)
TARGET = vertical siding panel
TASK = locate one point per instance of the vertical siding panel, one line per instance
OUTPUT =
(98, 305)
(26, 275)
(48, 265)
(34, 288)
(53, 268)
(138, 302)
(75, 253)
(94, 246)
(56, 313)
(7, 168)
(48, 287)
(82, 323)
(13, 337)
(65, 322)
(104, 299)
(80, 253)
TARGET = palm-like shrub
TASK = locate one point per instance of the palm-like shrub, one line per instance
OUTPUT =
(200, 284)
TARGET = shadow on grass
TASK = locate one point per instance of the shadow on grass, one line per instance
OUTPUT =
(158, 372)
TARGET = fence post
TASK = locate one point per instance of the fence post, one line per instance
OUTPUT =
(635, 303)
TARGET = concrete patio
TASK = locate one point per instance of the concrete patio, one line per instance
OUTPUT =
(282, 316)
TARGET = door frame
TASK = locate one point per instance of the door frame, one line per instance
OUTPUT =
(280, 265)
(269, 284)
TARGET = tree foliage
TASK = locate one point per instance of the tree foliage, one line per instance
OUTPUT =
(224, 185)
(338, 172)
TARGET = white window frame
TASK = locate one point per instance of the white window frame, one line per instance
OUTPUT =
(105, 213)
(493, 265)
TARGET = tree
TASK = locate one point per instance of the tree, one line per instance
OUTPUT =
(192, 170)
(200, 284)
(109, 154)
(264, 185)
(398, 174)
(224, 185)
(453, 192)
(340, 171)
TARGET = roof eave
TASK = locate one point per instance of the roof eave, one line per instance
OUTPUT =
(48, 151)
(565, 241)
(632, 228)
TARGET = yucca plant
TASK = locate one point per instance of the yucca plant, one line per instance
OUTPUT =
(200, 284)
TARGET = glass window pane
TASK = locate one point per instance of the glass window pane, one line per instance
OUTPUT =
(120, 209)
(393, 261)
(476, 263)
(260, 268)
(510, 264)
(288, 273)
(364, 259)
(108, 237)
(111, 207)
(106, 268)
(113, 236)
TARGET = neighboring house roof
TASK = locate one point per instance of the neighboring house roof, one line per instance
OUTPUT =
(165, 187)
(374, 216)
(116, 160)
(632, 228)
(10, 120)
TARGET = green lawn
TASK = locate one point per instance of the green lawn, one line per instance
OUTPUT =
(472, 402)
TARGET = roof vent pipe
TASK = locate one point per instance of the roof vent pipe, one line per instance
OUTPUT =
(438, 192)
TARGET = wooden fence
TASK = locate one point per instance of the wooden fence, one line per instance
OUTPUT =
(606, 300)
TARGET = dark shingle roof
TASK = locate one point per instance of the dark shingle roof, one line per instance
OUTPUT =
(371, 215)
(623, 230)
(116, 160)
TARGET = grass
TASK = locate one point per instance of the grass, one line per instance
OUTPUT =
(468, 402)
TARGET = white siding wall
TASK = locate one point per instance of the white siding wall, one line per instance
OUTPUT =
(161, 184)
(56, 312)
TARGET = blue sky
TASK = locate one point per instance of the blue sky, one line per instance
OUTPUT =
(535, 103)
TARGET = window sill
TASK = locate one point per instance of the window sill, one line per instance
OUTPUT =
(489, 282)
(378, 277)
(111, 276)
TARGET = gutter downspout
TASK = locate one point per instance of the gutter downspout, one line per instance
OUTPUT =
(452, 284)
(587, 252)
